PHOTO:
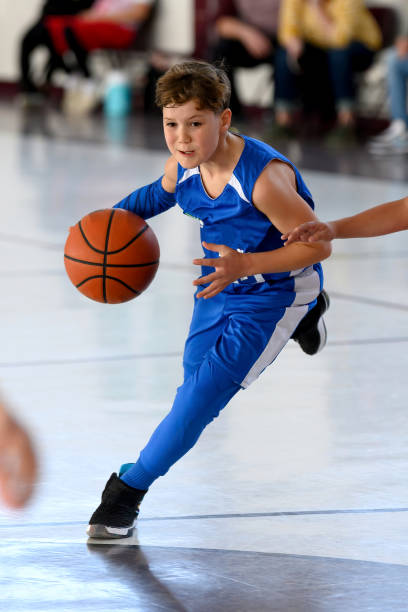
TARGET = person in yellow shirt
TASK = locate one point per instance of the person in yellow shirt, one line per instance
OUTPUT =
(345, 36)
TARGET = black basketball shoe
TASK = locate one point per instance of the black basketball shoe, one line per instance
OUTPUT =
(311, 333)
(115, 516)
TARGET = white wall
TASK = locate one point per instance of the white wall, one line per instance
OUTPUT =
(174, 30)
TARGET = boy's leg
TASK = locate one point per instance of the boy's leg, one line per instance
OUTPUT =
(198, 401)
(207, 324)
(249, 342)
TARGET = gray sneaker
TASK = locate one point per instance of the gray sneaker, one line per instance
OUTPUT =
(392, 140)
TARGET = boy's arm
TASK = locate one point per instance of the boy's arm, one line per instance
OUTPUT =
(383, 219)
(155, 198)
(276, 196)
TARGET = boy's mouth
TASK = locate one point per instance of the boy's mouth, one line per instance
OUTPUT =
(187, 153)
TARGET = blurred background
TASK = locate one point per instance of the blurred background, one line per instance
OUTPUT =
(88, 58)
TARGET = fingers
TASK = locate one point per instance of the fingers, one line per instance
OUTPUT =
(210, 246)
(307, 232)
(211, 290)
(221, 249)
(290, 237)
(212, 263)
(204, 280)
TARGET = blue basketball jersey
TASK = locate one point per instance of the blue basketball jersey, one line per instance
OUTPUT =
(231, 218)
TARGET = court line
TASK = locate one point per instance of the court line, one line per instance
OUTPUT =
(365, 300)
(59, 246)
(195, 517)
(91, 359)
(172, 354)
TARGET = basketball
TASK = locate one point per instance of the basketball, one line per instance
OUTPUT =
(111, 255)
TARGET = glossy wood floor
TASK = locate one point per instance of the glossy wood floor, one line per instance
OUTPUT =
(295, 499)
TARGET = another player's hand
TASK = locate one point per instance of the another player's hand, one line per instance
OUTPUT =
(313, 231)
(18, 464)
(229, 266)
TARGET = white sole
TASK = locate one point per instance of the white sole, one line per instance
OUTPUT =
(109, 533)
(321, 327)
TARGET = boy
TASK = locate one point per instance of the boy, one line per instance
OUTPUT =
(250, 299)
(383, 219)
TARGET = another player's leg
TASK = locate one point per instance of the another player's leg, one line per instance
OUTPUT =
(311, 333)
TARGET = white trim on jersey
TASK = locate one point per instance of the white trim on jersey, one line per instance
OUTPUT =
(235, 184)
(188, 173)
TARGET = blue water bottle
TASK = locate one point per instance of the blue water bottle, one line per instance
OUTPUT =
(118, 95)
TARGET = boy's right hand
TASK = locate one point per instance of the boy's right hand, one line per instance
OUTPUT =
(312, 231)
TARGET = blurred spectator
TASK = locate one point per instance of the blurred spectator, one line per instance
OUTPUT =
(38, 36)
(247, 37)
(108, 24)
(344, 33)
(395, 138)
(18, 464)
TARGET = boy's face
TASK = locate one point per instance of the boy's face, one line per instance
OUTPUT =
(193, 135)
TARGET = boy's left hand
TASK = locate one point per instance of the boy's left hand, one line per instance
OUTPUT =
(229, 266)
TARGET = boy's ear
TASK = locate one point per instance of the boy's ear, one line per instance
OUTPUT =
(226, 118)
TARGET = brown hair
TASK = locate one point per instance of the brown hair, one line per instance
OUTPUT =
(194, 80)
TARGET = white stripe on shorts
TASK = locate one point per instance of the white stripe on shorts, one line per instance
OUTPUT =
(283, 331)
(307, 288)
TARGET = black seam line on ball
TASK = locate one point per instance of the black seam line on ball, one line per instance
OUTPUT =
(109, 265)
(91, 246)
(135, 291)
(105, 255)
(142, 231)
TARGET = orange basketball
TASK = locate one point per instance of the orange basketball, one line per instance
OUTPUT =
(111, 255)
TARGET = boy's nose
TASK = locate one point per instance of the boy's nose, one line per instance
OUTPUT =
(184, 136)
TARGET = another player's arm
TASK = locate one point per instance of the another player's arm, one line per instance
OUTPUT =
(155, 198)
(383, 219)
(275, 195)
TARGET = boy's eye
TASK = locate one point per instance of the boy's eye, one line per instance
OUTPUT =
(196, 123)
(170, 124)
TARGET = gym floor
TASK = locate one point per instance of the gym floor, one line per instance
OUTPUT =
(296, 498)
